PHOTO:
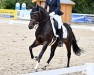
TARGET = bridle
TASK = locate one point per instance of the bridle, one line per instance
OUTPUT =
(33, 19)
(39, 22)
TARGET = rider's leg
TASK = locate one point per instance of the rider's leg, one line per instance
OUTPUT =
(60, 37)
(59, 20)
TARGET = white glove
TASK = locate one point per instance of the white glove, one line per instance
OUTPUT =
(52, 13)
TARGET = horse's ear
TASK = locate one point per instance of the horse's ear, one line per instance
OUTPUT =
(40, 10)
(31, 6)
(38, 7)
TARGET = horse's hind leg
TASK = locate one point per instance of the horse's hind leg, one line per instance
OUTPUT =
(68, 46)
(36, 43)
(53, 48)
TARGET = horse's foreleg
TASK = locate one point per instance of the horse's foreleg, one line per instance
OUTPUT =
(45, 44)
(53, 48)
(36, 43)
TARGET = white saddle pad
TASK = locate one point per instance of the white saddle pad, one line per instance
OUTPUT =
(64, 32)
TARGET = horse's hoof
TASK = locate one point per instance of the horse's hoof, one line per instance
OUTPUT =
(35, 70)
(36, 58)
(44, 68)
(32, 57)
(67, 67)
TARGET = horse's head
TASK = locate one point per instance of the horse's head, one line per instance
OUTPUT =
(37, 14)
(34, 15)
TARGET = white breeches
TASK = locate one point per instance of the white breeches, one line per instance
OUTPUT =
(58, 19)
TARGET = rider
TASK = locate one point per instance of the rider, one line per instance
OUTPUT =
(54, 11)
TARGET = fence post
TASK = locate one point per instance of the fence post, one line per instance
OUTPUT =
(89, 68)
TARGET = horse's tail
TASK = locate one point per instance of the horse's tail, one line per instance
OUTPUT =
(75, 47)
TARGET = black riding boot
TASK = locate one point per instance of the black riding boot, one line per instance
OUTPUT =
(60, 44)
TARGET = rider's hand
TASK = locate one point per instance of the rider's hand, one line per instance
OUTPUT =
(52, 13)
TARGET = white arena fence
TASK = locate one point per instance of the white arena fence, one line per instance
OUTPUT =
(87, 69)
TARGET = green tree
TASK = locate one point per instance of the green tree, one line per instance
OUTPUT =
(10, 4)
(83, 6)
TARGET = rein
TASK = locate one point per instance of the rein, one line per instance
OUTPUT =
(40, 23)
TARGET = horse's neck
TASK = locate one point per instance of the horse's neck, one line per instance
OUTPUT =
(44, 27)
(43, 22)
(43, 18)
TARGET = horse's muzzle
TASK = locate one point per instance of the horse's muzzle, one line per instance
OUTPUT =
(30, 27)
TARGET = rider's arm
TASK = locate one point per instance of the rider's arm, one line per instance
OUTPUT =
(58, 6)
(46, 5)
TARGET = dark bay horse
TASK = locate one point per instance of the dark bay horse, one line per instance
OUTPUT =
(44, 35)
